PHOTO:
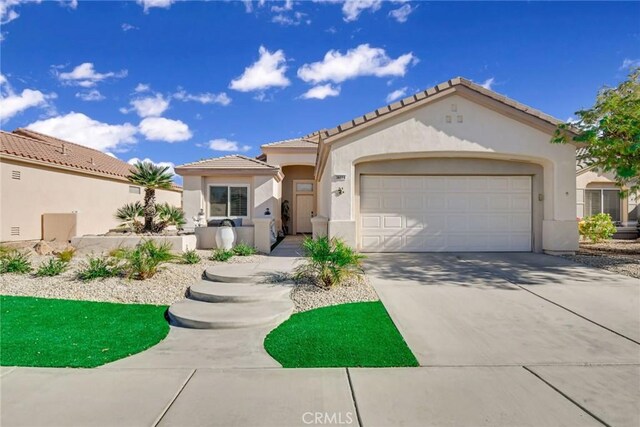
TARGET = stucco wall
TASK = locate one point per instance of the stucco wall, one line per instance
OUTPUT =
(42, 190)
(482, 133)
(286, 157)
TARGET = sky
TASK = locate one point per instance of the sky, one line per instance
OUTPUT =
(178, 81)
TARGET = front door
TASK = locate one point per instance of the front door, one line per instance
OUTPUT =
(303, 212)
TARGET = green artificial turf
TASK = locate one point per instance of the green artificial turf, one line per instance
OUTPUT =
(347, 335)
(78, 334)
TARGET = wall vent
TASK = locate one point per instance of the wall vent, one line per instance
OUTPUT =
(15, 231)
(15, 175)
(134, 190)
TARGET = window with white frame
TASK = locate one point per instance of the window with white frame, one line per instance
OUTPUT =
(228, 201)
(603, 201)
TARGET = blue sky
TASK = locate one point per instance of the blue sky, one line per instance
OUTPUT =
(180, 81)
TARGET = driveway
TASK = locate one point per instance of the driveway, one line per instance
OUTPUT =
(571, 327)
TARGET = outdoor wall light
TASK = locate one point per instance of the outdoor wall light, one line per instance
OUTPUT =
(339, 191)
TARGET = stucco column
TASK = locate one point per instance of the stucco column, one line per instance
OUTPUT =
(319, 226)
(262, 234)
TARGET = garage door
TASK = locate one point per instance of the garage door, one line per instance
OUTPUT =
(445, 213)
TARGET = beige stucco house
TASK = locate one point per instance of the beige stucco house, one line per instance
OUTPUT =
(54, 189)
(453, 168)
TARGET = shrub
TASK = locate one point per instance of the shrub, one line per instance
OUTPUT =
(329, 262)
(242, 249)
(130, 215)
(190, 257)
(53, 267)
(597, 227)
(144, 261)
(98, 267)
(14, 261)
(67, 255)
(170, 215)
(221, 255)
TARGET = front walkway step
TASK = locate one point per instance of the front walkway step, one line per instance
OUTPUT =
(242, 273)
(205, 315)
(209, 291)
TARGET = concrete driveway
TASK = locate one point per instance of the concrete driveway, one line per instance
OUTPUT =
(574, 328)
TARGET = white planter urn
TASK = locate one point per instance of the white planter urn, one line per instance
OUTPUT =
(225, 238)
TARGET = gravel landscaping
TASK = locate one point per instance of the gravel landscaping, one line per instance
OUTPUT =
(618, 256)
(306, 296)
(166, 287)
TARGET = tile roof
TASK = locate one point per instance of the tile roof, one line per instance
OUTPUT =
(234, 161)
(35, 146)
(582, 161)
(292, 143)
(425, 95)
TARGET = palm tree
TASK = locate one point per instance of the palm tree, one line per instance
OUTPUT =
(152, 178)
(129, 215)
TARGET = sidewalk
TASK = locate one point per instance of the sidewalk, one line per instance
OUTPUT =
(454, 396)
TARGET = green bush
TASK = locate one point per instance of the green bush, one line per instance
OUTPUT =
(329, 262)
(190, 257)
(13, 261)
(221, 255)
(597, 227)
(144, 261)
(242, 249)
(130, 215)
(98, 267)
(53, 267)
(67, 255)
(170, 215)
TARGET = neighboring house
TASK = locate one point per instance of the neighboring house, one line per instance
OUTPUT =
(596, 192)
(55, 189)
(454, 168)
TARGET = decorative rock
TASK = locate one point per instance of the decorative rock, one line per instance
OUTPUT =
(42, 248)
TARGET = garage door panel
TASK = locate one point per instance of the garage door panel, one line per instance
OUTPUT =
(438, 213)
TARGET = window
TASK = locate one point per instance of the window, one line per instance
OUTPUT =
(602, 201)
(134, 190)
(304, 186)
(228, 201)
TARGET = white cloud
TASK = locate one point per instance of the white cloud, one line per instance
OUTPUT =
(170, 165)
(223, 144)
(149, 4)
(286, 6)
(629, 63)
(364, 60)
(321, 92)
(71, 4)
(142, 88)
(128, 27)
(268, 71)
(81, 129)
(92, 95)
(161, 129)
(7, 9)
(204, 98)
(151, 106)
(296, 18)
(397, 94)
(85, 75)
(12, 103)
(402, 13)
(351, 9)
(488, 84)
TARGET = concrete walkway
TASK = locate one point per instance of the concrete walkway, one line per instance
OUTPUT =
(221, 348)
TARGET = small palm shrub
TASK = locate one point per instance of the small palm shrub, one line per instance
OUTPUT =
(169, 215)
(98, 267)
(597, 228)
(53, 267)
(190, 257)
(144, 261)
(221, 255)
(130, 215)
(152, 178)
(242, 249)
(67, 255)
(14, 261)
(329, 262)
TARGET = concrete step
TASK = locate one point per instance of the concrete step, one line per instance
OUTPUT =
(209, 291)
(240, 273)
(189, 313)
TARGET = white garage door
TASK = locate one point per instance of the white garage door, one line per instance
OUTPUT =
(445, 213)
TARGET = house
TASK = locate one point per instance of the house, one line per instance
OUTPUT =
(596, 192)
(456, 167)
(55, 189)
